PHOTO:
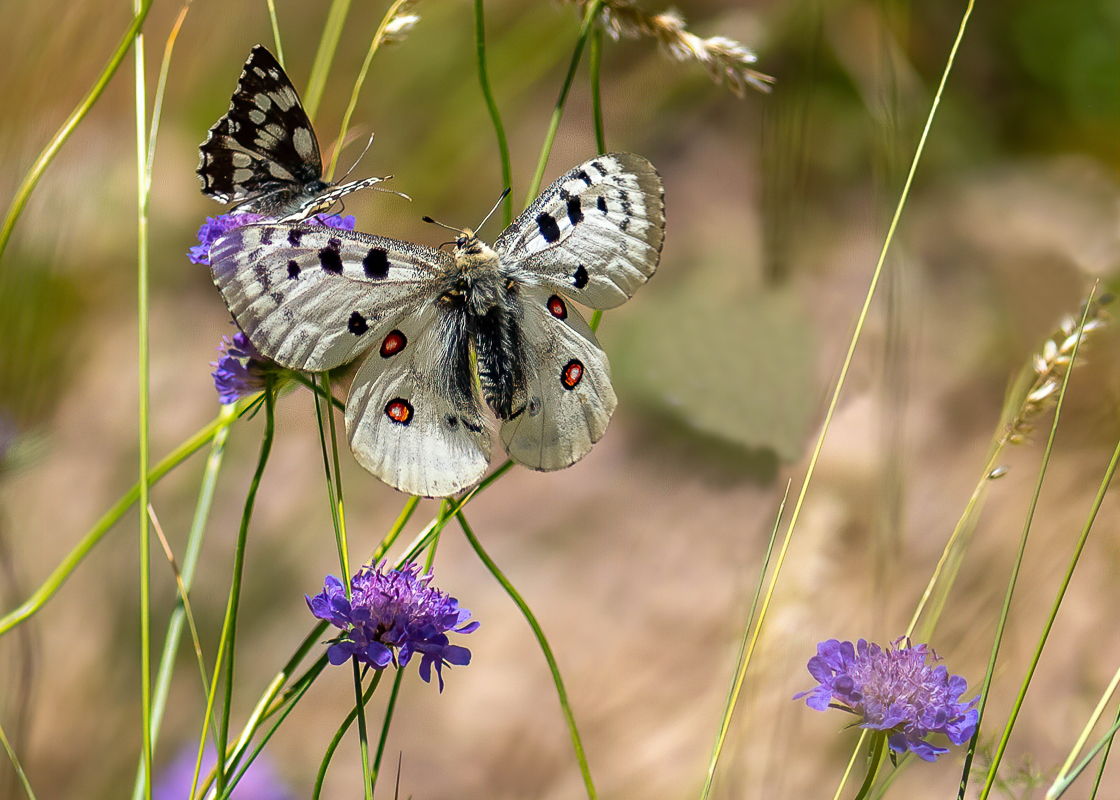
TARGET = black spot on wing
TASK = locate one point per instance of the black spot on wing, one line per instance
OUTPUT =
(548, 227)
(357, 324)
(599, 166)
(575, 212)
(583, 176)
(601, 204)
(330, 260)
(266, 235)
(376, 264)
(564, 194)
(581, 277)
(294, 237)
(293, 269)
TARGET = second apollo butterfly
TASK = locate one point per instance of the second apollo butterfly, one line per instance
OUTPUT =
(450, 331)
(263, 154)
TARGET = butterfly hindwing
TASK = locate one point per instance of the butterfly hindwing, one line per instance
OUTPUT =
(263, 153)
(566, 399)
(595, 234)
(412, 419)
(311, 297)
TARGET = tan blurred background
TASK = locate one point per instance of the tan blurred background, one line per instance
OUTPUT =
(640, 560)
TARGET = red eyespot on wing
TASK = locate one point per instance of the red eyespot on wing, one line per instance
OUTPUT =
(557, 308)
(392, 344)
(399, 411)
(572, 374)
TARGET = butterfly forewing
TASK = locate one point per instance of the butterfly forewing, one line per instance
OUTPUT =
(263, 153)
(311, 297)
(567, 399)
(594, 234)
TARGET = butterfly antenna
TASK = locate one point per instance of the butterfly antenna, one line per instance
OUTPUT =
(431, 221)
(359, 158)
(495, 208)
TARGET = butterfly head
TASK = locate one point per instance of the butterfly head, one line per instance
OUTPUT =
(472, 253)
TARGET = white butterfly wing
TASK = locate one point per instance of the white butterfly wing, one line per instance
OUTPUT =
(312, 297)
(594, 234)
(413, 417)
(566, 399)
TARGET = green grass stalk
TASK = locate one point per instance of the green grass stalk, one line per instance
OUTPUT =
(492, 107)
(741, 669)
(108, 520)
(1005, 611)
(328, 44)
(546, 649)
(35, 173)
(374, 46)
(338, 734)
(554, 123)
(143, 196)
(225, 660)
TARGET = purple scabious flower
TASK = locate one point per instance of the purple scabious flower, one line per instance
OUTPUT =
(241, 370)
(391, 610)
(895, 691)
(216, 227)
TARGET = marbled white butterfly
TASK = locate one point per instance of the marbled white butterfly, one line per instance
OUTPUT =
(450, 331)
(263, 154)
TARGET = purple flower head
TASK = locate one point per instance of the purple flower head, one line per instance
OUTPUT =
(241, 370)
(216, 227)
(895, 691)
(393, 610)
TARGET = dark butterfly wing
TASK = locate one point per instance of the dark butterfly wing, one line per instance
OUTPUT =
(263, 154)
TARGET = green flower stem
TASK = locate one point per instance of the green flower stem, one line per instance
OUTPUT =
(272, 701)
(492, 107)
(334, 481)
(1005, 612)
(308, 383)
(577, 743)
(558, 111)
(389, 709)
(432, 530)
(874, 761)
(363, 735)
(342, 729)
(595, 65)
(292, 697)
(190, 562)
(229, 627)
(75, 557)
(31, 179)
(328, 43)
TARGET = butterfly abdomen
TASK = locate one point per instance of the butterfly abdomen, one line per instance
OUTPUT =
(498, 345)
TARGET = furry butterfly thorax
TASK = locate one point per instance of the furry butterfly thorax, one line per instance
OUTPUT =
(452, 334)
